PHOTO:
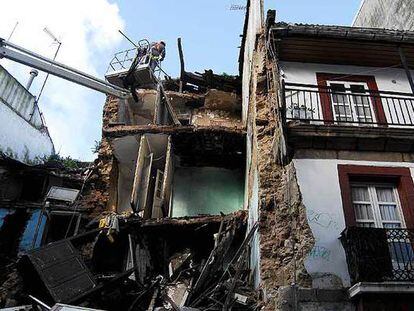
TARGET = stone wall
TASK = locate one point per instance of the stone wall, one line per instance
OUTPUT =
(99, 196)
(285, 236)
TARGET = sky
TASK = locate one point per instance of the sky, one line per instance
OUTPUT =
(210, 32)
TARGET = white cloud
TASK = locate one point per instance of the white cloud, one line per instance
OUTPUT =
(89, 32)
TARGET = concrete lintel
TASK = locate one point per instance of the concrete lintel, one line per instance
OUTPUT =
(381, 288)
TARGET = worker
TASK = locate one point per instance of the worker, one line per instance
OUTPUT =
(157, 53)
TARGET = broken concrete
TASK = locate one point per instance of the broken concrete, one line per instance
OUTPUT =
(297, 298)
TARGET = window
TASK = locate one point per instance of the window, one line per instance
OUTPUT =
(351, 102)
(376, 206)
(348, 98)
(380, 197)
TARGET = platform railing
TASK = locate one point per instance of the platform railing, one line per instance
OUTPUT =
(322, 105)
(379, 254)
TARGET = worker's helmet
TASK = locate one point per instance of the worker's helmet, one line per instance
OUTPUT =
(163, 43)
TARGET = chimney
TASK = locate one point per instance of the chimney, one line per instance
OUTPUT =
(33, 74)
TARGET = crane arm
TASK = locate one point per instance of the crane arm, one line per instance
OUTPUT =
(23, 56)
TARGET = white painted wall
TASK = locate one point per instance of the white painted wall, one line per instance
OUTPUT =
(306, 73)
(254, 26)
(388, 79)
(251, 199)
(126, 151)
(21, 140)
(319, 184)
(391, 14)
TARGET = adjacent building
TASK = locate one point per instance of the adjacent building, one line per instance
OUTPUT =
(23, 134)
(330, 164)
(390, 14)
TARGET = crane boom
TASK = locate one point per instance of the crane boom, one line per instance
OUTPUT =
(23, 56)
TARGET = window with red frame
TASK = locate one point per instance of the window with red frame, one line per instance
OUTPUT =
(381, 197)
(350, 99)
(376, 205)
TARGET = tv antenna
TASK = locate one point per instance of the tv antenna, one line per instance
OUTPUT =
(59, 43)
(12, 32)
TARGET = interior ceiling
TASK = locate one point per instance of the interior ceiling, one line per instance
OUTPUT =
(343, 52)
(210, 148)
(201, 148)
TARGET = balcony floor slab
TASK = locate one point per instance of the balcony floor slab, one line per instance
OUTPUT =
(381, 288)
(359, 138)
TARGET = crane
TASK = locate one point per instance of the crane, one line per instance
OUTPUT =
(26, 57)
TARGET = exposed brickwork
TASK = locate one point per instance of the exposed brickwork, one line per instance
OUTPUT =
(285, 235)
(97, 193)
(110, 111)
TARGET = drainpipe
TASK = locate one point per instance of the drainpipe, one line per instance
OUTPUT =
(406, 68)
(33, 74)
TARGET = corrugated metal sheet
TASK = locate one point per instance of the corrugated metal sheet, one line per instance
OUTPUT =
(14, 95)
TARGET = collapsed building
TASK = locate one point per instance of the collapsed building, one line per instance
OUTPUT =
(162, 216)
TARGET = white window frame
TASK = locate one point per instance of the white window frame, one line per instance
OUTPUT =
(378, 222)
(352, 104)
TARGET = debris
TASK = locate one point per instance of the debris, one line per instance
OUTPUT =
(124, 247)
(241, 298)
(56, 273)
(173, 271)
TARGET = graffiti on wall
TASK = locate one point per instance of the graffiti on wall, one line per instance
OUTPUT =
(320, 252)
(324, 220)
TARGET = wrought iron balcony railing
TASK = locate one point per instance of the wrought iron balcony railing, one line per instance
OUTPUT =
(379, 254)
(327, 105)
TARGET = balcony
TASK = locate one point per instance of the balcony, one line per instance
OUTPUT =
(340, 118)
(379, 254)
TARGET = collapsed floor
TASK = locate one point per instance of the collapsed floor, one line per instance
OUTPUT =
(160, 224)
(130, 264)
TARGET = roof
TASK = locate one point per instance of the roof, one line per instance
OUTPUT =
(343, 45)
(283, 29)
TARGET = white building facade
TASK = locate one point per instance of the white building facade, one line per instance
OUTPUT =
(347, 106)
(23, 134)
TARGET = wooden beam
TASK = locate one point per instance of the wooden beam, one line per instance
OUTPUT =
(182, 65)
(121, 131)
(181, 54)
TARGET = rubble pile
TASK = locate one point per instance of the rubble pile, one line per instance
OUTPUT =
(128, 263)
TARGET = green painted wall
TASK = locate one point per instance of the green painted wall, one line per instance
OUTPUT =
(207, 190)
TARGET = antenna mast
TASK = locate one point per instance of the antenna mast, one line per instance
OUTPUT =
(55, 40)
(12, 32)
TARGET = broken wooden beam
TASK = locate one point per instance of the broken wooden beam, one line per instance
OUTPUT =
(194, 220)
(120, 131)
